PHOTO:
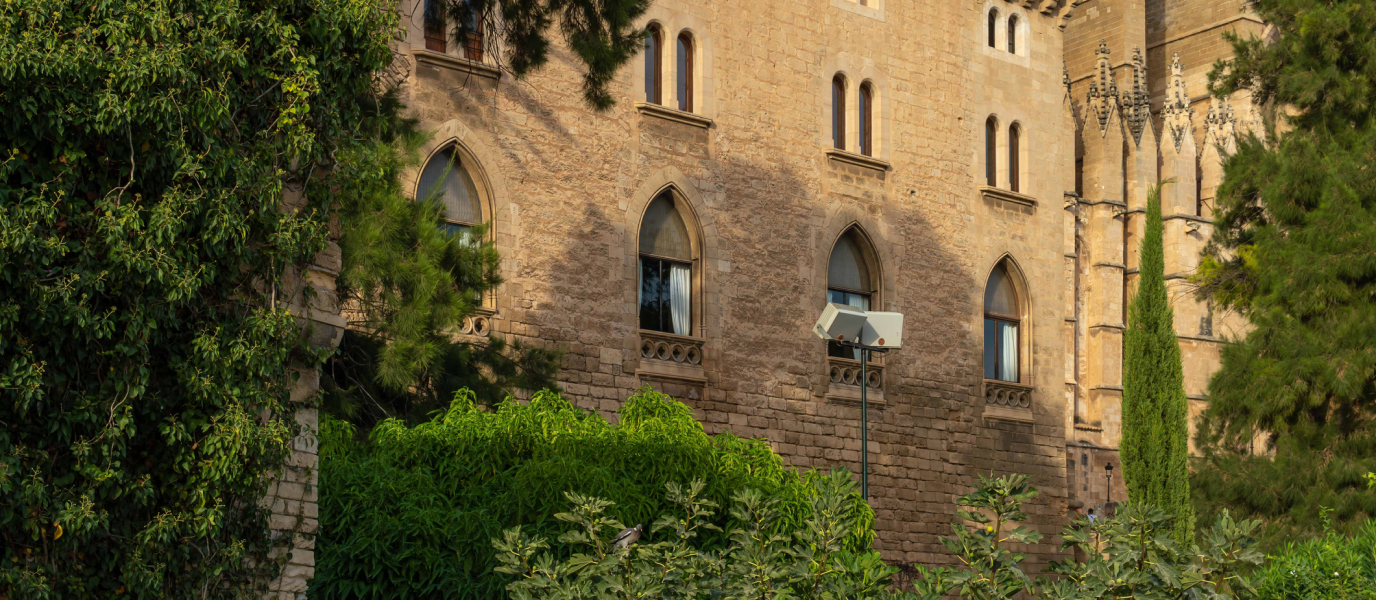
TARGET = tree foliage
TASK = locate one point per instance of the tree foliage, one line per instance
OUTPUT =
(1155, 445)
(148, 148)
(411, 511)
(1326, 567)
(1293, 253)
(407, 285)
(809, 563)
(601, 34)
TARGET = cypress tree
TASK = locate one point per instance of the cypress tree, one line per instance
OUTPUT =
(1155, 433)
(1289, 427)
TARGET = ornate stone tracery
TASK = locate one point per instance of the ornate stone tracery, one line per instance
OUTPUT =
(1176, 112)
(1103, 90)
(1220, 125)
(1136, 102)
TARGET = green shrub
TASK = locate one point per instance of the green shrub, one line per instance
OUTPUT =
(811, 563)
(411, 511)
(1328, 567)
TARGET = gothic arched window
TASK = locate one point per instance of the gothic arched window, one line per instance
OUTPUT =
(445, 179)
(654, 54)
(666, 268)
(1002, 323)
(850, 281)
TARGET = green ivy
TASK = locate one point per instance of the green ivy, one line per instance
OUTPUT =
(146, 148)
(411, 512)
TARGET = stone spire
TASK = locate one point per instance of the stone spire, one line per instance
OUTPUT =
(1136, 102)
(1177, 116)
(1103, 90)
(1220, 124)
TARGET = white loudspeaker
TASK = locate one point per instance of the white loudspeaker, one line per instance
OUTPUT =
(840, 322)
(882, 330)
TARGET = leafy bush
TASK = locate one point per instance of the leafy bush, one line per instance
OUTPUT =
(162, 163)
(412, 511)
(1331, 566)
(811, 563)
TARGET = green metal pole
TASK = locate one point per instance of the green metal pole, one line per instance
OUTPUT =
(864, 425)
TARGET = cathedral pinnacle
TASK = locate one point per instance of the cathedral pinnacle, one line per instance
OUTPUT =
(1176, 112)
(1136, 102)
(1103, 90)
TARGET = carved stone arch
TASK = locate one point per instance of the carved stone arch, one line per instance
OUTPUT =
(1018, 276)
(481, 163)
(879, 255)
(702, 233)
(483, 167)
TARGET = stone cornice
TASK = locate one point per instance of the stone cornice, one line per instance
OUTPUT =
(670, 114)
(454, 63)
(859, 160)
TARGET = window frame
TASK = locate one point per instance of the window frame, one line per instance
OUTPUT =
(1015, 320)
(993, 27)
(991, 151)
(690, 224)
(1014, 157)
(1013, 23)
(869, 258)
(838, 111)
(866, 114)
(654, 66)
(685, 49)
(433, 26)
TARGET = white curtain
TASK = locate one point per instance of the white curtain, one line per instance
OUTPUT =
(680, 293)
(1008, 362)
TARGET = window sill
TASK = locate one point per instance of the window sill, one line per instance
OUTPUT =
(993, 193)
(670, 356)
(859, 160)
(454, 63)
(843, 382)
(670, 114)
(1007, 401)
(1004, 413)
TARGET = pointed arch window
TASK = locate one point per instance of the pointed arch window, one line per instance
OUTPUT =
(838, 112)
(1002, 326)
(991, 146)
(1014, 160)
(446, 180)
(654, 55)
(666, 269)
(685, 72)
(849, 282)
(1013, 34)
(993, 27)
(866, 119)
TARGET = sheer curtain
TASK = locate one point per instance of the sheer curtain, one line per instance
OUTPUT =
(680, 292)
(1008, 362)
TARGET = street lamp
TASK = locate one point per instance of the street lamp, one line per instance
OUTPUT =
(870, 332)
(1108, 475)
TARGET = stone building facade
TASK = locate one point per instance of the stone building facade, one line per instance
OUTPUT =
(978, 165)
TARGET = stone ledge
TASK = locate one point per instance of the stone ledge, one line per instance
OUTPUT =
(454, 63)
(1005, 413)
(993, 193)
(670, 114)
(859, 160)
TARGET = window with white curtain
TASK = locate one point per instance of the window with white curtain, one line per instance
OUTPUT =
(445, 180)
(666, 269)
(1001, 327)
(848, 283)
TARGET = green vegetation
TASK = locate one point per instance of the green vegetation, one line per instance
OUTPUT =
(412, 511)
(1289, 425)
(146, 150)
(757, 562)
(1155, 446)
(1331, 566)
(164, 165)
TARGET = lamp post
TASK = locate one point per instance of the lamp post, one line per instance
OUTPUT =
(1108, 475)
(868, 331)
